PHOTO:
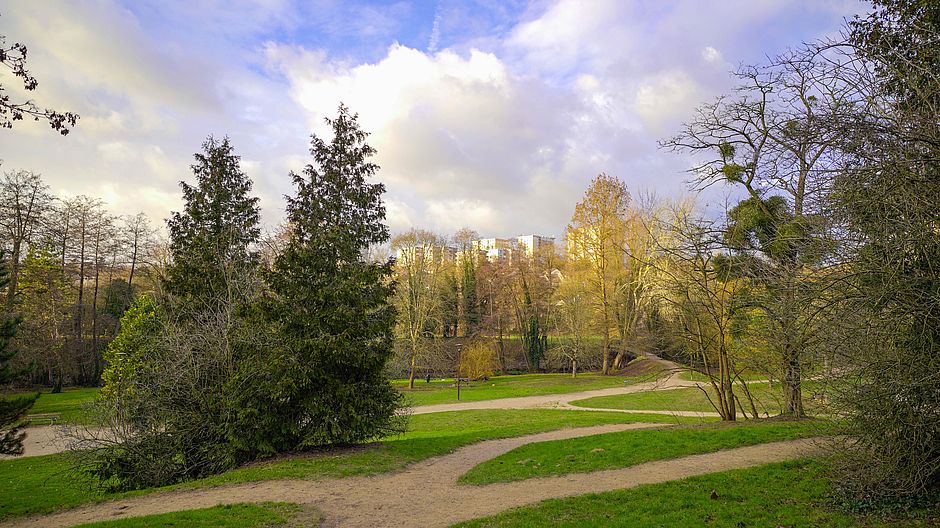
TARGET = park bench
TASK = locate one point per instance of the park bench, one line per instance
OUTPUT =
(50, 418)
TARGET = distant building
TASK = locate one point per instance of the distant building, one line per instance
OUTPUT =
(508, 249)
(531, 245)
(431, 255)
(580, 243)
(495, 249)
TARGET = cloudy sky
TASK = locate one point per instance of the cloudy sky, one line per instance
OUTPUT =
(485, 113)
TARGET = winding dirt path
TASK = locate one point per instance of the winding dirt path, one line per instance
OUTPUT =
(427, 493)
(674, 381)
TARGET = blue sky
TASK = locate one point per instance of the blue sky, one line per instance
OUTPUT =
(488, 114)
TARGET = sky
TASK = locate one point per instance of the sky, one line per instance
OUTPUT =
(488, 114)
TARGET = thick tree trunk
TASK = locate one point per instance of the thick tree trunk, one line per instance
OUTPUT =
(792, 389)
(574, 368)
(606, 369)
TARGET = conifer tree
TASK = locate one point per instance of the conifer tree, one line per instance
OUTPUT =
(332, 304)
(211, 238)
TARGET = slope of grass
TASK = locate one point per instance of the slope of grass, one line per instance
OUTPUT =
(67, 403)
(790, 494)
(444, 391)
(628, 448)
(43, 484)
(263, 515)
(767, 398)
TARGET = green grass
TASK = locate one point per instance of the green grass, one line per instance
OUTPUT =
(243, 515)
(42, 484)
(768, 399)
(628, 448)
(791, 494)
(67, 403)
(695, 375)
(443, 391)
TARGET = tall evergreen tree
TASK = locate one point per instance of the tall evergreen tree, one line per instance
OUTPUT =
(332, 304)
(12, 409)
(211, 238)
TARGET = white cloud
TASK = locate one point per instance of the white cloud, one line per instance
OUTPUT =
(500, 133)
(666, 97)
(710, 54)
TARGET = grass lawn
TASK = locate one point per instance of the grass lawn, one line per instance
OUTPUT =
(698, 376)
(628, 448)
(444, 391)
(768, 399)
(43, 484)
(242, 515)
(67, 403)
(793, 494)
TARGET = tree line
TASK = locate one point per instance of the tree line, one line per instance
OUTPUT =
(73, 270)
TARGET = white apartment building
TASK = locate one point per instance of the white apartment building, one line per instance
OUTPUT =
(531, 245)
(511, 249)
(431, 255)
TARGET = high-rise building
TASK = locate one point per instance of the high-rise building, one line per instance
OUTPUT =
(531, 245)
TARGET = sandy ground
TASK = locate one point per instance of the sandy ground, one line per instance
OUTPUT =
(41, 440)
(427, 493)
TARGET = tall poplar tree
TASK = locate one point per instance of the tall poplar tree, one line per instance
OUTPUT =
(332, 304)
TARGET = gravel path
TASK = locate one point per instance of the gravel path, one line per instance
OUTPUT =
(427, 493)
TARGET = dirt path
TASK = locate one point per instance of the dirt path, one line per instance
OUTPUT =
(427, 493)
(40, 440)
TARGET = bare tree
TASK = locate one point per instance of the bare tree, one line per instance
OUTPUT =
(779, 139)
(24, 199)
(139, 237)
(703, 301)
(13, 58)
(420, 260)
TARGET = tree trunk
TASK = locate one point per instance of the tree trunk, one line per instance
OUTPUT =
(574, 368)
(606, 369)
(94, 325)
(130, 276)
(414, 360)
(14, 274)
(792, 390)
(79, 323)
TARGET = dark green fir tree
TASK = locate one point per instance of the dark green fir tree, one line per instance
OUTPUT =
(331, 302)
(211, 239)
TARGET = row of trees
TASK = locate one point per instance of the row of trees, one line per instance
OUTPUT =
(592, 300)
(73, 270)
